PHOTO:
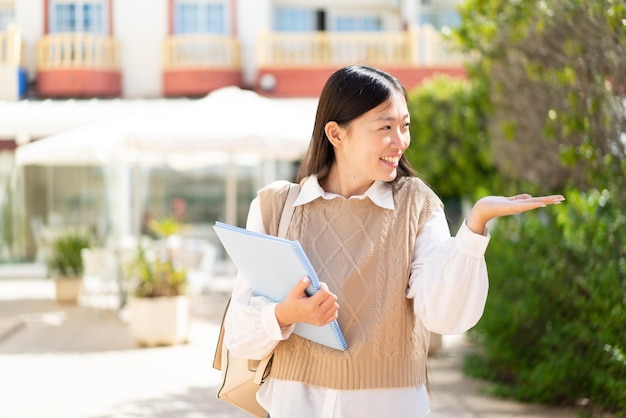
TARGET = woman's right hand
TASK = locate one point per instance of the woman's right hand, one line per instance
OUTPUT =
(318, 309)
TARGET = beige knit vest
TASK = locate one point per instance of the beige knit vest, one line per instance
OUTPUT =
(363, 252)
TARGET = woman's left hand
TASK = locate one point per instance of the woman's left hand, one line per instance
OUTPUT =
(495, 206)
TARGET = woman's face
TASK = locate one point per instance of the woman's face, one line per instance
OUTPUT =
(372, 144)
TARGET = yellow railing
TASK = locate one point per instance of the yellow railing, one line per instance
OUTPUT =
(10, 47)
(201, 51)
(422, 46)
(77, 50)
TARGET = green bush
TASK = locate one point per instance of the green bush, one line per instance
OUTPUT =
(63, 253)
(449, 145)
(155, 272)
(554, 325)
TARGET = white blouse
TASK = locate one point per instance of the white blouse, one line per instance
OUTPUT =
(449, 286)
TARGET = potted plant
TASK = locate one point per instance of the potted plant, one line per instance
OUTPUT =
(158, 305)
(65, 263)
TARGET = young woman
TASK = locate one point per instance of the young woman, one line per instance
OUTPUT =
(378, 238)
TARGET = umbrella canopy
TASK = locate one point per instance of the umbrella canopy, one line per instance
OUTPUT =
(94, 144)
(188, 134)
(232, 120)
(229, 120)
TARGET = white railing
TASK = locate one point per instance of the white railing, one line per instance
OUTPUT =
(10, 47)
(77, 50)
(201, 51)
(422, 46)
(10, 60)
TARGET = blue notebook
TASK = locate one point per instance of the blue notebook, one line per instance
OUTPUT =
(272, 266)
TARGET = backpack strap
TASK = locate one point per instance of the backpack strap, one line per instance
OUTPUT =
(288, 209)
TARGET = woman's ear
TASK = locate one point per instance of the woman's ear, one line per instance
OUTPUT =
(334, 133)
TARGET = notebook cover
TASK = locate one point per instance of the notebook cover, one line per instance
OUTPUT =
(272, 266)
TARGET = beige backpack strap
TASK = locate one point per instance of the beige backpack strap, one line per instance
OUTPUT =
(288, 209)
(262, 369)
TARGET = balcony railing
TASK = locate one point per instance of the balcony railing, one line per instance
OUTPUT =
(184, 52)
(422, 46)
(10, 47)
(77, 50)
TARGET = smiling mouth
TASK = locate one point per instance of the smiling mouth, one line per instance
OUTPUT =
(391, 160)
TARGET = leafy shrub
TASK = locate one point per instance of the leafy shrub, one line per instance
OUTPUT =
(553, 328)
(63, 254)
(155, 271)
(449, 145)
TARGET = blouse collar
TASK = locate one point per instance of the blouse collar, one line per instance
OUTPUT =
(379, 193)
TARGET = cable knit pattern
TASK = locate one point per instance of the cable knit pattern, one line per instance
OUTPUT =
(363, 252)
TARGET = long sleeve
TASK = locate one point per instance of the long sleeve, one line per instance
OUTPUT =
(252, 330)
(449, 280)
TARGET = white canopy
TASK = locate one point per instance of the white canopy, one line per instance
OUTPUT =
(229, 120)
(34, 119)
(189, 134)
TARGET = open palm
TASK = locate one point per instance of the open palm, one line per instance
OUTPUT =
(495, 206)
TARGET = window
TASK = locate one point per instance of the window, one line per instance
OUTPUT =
(78, 16)
(200, 17)
(295, 20)
(428, 19)
(450, 19)
(7, 16)
(93, 18)
(358, 24)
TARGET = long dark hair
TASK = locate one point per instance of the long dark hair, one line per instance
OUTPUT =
(347, 94)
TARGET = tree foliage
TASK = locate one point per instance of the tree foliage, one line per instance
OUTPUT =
(449, 146)
(556, 70)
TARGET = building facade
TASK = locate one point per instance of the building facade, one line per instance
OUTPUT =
(170, 48)
(86, 51)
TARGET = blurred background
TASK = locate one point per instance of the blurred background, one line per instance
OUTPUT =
(128, 128)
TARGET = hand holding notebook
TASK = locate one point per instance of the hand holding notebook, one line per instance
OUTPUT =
(272, 267)
(317, 309)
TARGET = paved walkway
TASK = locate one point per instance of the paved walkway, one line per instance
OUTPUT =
(80, 362)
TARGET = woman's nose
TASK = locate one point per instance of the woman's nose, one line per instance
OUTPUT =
(400, 139)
